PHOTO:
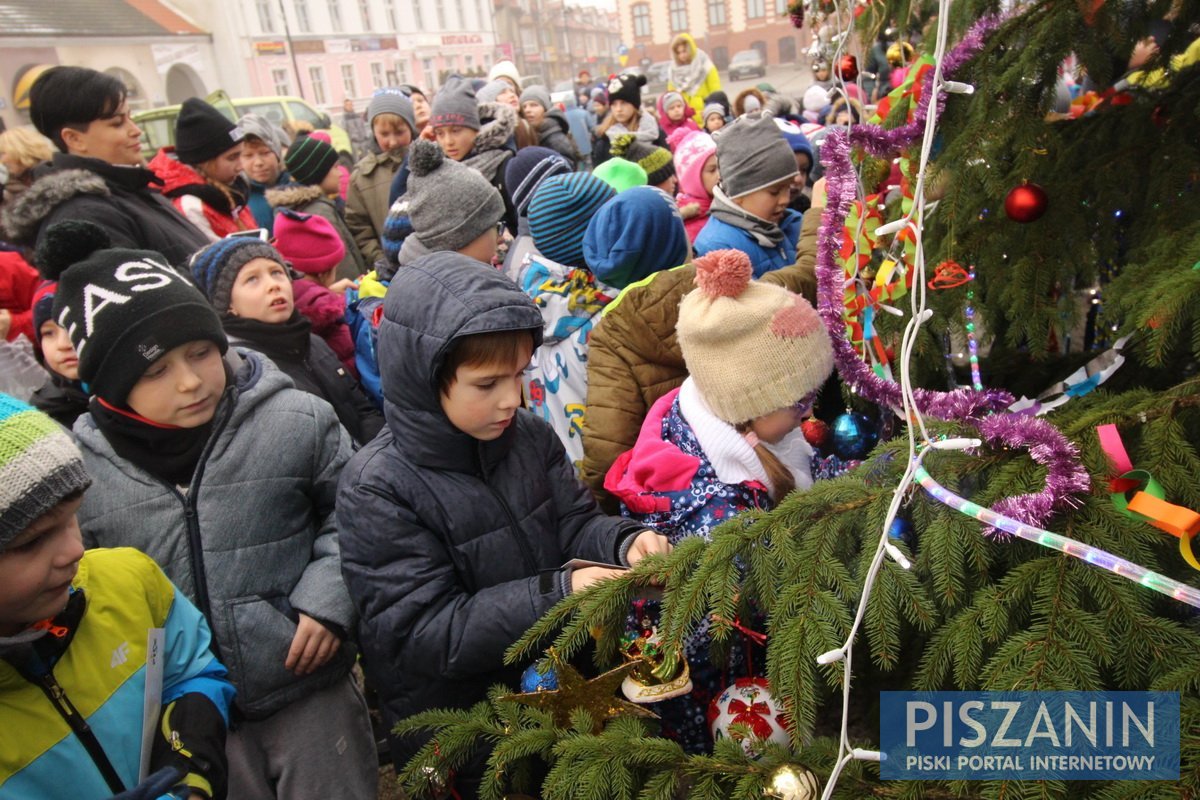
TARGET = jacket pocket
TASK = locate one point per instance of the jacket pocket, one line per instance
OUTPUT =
(263, 629)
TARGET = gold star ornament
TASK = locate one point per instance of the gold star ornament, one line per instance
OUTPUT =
(597, 696)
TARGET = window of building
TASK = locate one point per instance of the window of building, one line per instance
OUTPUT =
(302, 21)
(265, 21)
(470, 63)
(335, 15)
(716, 12)
(418, 15)
(462, 14)
(364, 13)
(377, 75)
(678, 12)
(756, 9)
(316, 76)
(348, 80)
(781, 8)
(389, 12)
(283, 86)
(483, 14)
(641, 19)
(427, 71)
(440, 7)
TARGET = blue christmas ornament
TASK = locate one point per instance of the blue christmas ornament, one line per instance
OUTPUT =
(534, 681)
(853, 435)
(903, 530)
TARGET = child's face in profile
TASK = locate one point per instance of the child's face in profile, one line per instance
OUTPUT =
(182, 388)
(710, 174)
(225, 167)
(58, 351)
(37, 567)
(391, 132)
(332, 181)
(483, 399)
(768, 203)
(533, 112)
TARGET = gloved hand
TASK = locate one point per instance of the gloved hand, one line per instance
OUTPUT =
(156, 785)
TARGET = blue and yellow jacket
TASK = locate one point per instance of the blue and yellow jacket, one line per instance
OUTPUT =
(72, 699)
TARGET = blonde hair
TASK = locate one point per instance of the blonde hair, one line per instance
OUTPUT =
(779, 475)
(611, 120)
(26, 147)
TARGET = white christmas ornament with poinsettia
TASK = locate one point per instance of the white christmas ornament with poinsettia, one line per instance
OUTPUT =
(748, 703)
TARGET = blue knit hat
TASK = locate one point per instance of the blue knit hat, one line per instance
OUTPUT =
(795, 138)
(559, 214)
(526, 171)
(396, 228)
(216, 267)
(636, 234)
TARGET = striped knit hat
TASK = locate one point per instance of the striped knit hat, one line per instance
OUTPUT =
(526, 170)
(40, 464)
(215, 268)
(309, 160)
(657, 161)
(559, 214)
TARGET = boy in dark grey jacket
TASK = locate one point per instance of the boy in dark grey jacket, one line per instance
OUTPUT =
(225, 475)
(457, 519)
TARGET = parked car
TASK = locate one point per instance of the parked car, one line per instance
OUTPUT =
(657, 77)
(747, 64)
(158, 124)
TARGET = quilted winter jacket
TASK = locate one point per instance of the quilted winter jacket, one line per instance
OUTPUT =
(367, 200)
(717, 234)
(121, 200)
(634, 358)
(452, 547)
(253, 539)
(203, 204)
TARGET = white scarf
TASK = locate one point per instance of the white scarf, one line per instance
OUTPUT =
(647, 129)
(731, 455)
(687, 78)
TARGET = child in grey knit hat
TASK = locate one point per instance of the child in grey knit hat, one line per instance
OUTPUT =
(452, 207)
(750, 204)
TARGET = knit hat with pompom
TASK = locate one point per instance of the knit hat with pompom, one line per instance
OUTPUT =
(657, 161)
(752, 348)
(450, 204)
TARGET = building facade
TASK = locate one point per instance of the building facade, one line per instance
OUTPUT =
(720, 27)
(161, 56)
(555, 41)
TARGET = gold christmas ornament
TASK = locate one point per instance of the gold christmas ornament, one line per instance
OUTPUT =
(597, 696)
(793, 783)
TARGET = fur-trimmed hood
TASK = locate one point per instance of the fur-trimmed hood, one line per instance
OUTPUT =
(500, 126)
(293, 195)
(23, 216)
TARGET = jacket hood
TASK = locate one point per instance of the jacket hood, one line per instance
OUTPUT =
(24, 216)
(371, 161)
(643, 478)
(684, 37)
(499, 127)
(553, 119)
(293, 195)
(431, 303)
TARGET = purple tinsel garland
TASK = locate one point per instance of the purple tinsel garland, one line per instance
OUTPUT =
(841, 190)
(1047, 446)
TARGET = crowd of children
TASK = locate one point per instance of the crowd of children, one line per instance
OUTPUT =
(311, 421)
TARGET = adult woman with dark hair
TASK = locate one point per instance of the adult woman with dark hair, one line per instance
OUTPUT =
(98, 174)
(692, 74)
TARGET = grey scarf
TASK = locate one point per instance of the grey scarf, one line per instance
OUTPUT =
(767, 234)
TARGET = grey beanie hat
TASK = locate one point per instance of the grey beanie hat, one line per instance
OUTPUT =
(752, 154)
(455, 104)
(491, 92)
(538, 94)
(392, 101)
(262, 129)
(450, 204)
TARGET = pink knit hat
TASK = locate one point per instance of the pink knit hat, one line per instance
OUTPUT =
(690, 156)
(310, 243)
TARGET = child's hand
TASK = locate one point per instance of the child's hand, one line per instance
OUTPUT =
(585, 576)
(429, 133)
(312, 646)
(689, 210)
(341, 286)
(647, 543)
(5, 322)
(818, 194)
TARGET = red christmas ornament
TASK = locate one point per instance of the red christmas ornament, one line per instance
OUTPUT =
(815, 432)
(847, 68)
(1026, 203)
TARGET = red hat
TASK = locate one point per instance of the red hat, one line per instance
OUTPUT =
(310, 243)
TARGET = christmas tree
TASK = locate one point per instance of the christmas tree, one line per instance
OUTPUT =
(1099, 234)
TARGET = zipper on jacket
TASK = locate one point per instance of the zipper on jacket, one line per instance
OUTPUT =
(195, 545)
(518, 533)
(62, 704)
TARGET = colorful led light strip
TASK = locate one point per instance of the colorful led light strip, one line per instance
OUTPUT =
(1085, 552)
(972, 345)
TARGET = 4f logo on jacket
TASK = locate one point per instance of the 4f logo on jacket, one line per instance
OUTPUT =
(119, 656)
